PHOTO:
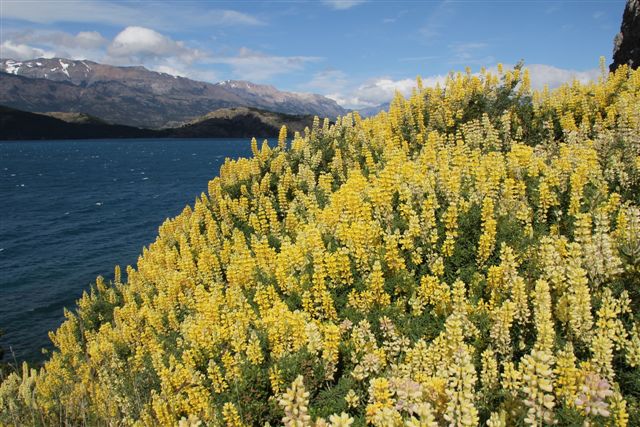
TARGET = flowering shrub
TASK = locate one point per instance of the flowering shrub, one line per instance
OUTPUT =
(469, 257)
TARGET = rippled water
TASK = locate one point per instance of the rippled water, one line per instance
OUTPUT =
(72, 210)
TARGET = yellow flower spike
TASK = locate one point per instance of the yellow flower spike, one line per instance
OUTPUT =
(295, 402)
(488, 237)
(353, 244)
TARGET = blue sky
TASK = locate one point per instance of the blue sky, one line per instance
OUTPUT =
(357, 52)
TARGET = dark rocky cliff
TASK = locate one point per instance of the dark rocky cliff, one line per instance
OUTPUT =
(626, 45)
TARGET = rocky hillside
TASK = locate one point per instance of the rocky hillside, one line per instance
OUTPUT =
(22, 125)
(241, 122)
(138, 97)
(74, 117)
(626, 45)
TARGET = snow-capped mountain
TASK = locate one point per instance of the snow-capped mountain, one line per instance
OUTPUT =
(137, 96)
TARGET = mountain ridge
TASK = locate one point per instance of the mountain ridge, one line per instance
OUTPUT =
(136, 96)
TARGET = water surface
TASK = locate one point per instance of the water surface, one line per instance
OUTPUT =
(72, 210)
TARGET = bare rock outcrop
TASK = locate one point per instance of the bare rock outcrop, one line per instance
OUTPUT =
(626, 45)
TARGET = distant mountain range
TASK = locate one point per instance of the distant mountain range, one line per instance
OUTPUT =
(223, 123)
(135, 96)
(372, 111)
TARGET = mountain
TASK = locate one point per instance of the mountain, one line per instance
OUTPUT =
(626, 45)
(22, 125)
(237, 122)
(74, 117)
(241, 122)
(139, 97)
(372, 111)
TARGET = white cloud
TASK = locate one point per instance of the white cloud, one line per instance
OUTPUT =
(83, 45)
(382, 90)
(20, 51)
(335, 84)
(132, 46)
(157, 52)
(151, 14)
(376, 91)
(167, 69)
(137, 45)
(542, 75)
(177, 68)
(257, 66)
(373, 92)
(140, 41)
(140, 45)
(83, 39)
(342, 4)
(232, 17)
(89, 39)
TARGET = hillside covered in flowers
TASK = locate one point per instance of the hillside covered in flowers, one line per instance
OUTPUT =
(471, 257)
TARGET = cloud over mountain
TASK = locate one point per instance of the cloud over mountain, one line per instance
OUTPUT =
(21, 51)
(139, 43)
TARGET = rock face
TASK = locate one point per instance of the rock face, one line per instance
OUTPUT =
(139, 97)
(626, 45)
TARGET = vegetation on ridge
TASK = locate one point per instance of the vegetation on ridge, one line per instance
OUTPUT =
(470, 257)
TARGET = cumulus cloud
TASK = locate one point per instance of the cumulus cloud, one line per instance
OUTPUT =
(381, 90)
(336, 84)
(551, 76)
(256, 66)
(378, 90)
(20, 51)
(83, 45)
(89, 39)
(139, 43)
(132, 46)
(342, 4)
(142, 41)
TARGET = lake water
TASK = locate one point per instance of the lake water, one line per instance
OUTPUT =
(72, 210)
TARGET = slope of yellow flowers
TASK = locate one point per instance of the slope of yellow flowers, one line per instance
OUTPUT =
(471, 257)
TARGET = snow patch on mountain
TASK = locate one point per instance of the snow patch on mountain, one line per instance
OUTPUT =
(64, 67)
(12, 67)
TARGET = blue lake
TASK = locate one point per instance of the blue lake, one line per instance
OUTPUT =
(72, 210)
